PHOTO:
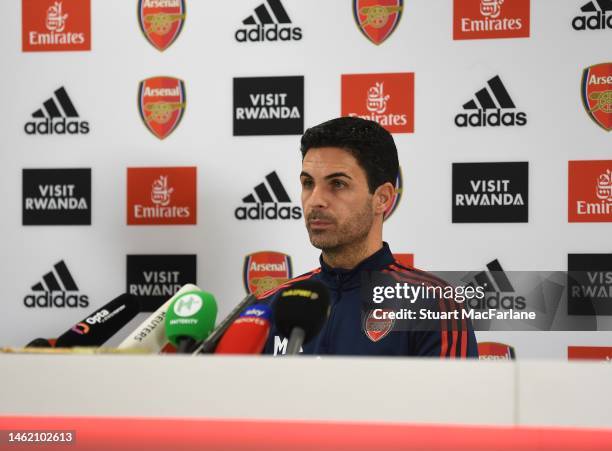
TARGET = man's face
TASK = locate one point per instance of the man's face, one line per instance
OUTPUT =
(338, 207)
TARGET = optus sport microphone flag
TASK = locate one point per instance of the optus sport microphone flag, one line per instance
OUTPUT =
(249, 333)
(190, 318)
(101, 325)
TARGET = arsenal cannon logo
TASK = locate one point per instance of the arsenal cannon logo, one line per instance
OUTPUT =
(161, 102)
(264, 271)
(161, 21)
(377, 19)
(596, 92)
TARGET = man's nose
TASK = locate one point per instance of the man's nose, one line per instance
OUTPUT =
(316, 199)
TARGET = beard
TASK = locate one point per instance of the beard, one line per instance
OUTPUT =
(352, 230)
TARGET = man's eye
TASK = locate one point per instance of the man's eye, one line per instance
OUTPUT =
(307, 183)
(338, 184)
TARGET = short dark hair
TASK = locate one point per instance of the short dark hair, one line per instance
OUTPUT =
(371, 145)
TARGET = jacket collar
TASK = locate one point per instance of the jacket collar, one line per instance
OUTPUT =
(375, 262)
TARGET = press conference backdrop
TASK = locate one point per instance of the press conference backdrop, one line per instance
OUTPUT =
(150, 144)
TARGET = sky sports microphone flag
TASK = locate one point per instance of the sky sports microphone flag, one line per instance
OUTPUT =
(300, 312)
(248, 334)
(101, 325)
(190, 319)
(150, 335)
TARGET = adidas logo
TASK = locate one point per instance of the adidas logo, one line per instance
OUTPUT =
(258, 204)
(488, 108)
(263, 25)
(54, 117)
(595, 17)
(494, 287)
(53, 290)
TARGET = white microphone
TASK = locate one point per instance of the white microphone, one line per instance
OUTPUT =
(151, 334)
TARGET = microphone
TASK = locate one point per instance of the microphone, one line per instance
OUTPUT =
(300, 312)
(249, 333)
(190, 318)
(150, 334)
(39, 343)
(105, 322)
(209, 345)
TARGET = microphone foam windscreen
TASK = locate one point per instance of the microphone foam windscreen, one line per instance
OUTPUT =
(191, 315)
(248, 334)
(304, 304)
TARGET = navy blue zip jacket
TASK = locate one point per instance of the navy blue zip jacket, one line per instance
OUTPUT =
(346, 332)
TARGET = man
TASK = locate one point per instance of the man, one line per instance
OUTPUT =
(349, 167)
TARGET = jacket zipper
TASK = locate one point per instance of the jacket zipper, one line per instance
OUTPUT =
(332, 314)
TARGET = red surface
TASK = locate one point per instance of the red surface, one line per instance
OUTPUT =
(197, 434)
(603, 353)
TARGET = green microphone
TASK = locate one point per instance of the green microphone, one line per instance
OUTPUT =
(190, 319)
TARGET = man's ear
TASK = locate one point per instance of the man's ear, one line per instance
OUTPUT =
(383, 197)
